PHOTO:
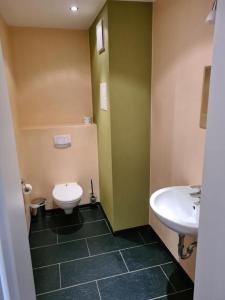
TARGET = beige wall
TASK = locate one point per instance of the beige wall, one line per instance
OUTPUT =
(53, 94)
(52, 72)
(46, 166)
(7, 53)
(182, 46)
(9, 72)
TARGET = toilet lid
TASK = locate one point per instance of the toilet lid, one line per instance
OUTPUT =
(67, 192)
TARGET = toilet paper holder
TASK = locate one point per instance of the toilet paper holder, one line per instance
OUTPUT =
(26, 187)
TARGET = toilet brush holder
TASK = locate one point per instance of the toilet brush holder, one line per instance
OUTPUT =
(92, 199)
(92, 195)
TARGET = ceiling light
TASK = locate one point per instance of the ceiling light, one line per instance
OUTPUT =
(74, 8)
(212, 15)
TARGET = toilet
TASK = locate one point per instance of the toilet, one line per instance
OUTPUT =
(67, 196)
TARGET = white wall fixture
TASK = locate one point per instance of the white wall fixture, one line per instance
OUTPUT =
(74, 8)
(88, 120)
(210, 266)
(212, 14)
(62, 141)
(103, 96)
(100, 37)
(178, 208)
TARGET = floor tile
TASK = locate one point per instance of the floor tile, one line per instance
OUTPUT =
(47, 279)
(92, 214)
(141, 285)
(91, 268)
(42, 238)
(148, 234)
(83, 292)
(87, 207)
(187, 295)
(146, 256)
(54, 212)
(106, 243)
(82, 231)
(177, 277)
(58, 253)
(38, 223)
(54, 221)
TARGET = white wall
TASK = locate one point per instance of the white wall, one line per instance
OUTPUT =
(1, 291)
(210, 268)
(16, 271)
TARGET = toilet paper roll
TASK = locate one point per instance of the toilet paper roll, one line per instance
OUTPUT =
(27, 188)
(87, 120)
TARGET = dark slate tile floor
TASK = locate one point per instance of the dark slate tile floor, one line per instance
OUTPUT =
(79, 232)
(77, 257)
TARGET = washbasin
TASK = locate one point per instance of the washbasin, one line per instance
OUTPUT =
(177, 209)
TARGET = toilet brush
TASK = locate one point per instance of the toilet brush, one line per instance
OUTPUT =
(92, 195)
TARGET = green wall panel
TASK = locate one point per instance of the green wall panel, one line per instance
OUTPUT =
(125, 128)
(100, 73)
(130, 79)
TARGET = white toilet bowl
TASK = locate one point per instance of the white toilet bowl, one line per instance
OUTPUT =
(67, 196)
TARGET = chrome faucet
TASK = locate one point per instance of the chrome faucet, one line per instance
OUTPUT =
(196, 194)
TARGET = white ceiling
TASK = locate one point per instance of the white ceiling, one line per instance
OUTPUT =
(51, 13)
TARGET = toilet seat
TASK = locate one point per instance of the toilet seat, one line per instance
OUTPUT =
(67, 192)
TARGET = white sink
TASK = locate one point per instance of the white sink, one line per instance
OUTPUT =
(176, 208)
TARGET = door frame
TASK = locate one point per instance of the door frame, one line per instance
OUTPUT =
(16, 273)
(210, 264)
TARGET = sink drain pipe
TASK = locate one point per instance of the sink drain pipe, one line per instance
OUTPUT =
(185, 252)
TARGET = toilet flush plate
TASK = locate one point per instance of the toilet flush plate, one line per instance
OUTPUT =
(62, 141)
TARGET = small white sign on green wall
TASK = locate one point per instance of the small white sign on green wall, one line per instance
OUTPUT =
(103, 96)
(100, 37)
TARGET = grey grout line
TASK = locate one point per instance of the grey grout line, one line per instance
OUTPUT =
(99, 235)
(110, 230)
(175, 290)
(47, 245)
(65, 288)
(57, 227)
(94, 255)
(78, 224)
(88, 237)
(141, 237)
(100, 297)
(171, 294)
(124, 261)
(60, 279)
(70, 241)
(61, 213)
(89, 253)
(134, 271)
(108, 226)
(40, 230)
(76, 259)
(108, 277)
